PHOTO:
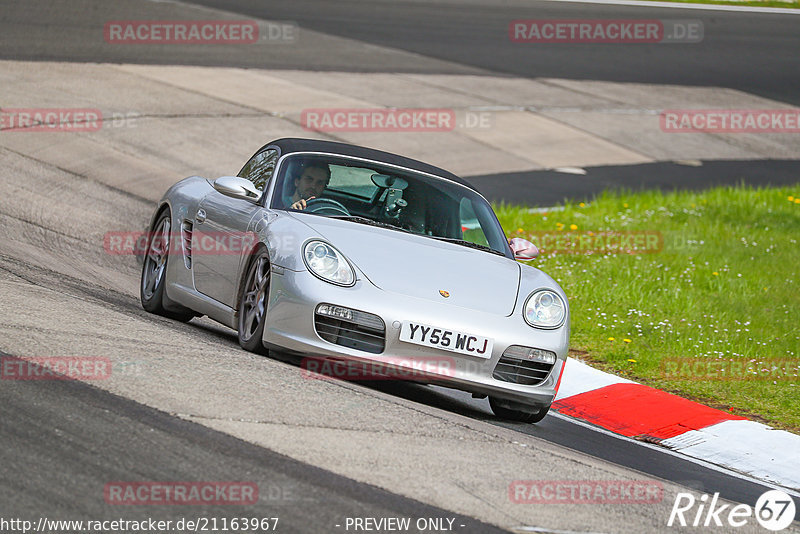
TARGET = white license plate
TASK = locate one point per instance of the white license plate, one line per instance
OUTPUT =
(442, 338)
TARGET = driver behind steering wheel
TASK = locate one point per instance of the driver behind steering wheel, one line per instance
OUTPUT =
(311, 183)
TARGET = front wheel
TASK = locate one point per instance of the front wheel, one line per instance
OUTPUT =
(253, 304)
(154, 273)
(521, 416)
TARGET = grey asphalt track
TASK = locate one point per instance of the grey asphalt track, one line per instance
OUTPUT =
(53, 430)
(615, 449)
(61, 441)
(753, 52)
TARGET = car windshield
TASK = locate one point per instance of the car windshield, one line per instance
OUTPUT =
(370, 193)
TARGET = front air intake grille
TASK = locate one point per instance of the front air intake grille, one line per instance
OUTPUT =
(524, 372)
(364, 331)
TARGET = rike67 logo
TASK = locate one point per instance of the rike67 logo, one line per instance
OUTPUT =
(774, 510)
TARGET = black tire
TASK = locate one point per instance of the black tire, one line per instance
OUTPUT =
(154, 273)
(253, 297)
(517, 415)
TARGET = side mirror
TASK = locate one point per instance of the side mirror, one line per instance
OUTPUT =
(523, 249)
(233, 186)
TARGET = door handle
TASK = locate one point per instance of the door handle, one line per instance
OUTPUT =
(201, 216)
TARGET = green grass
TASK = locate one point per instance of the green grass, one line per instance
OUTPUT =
(724, 288)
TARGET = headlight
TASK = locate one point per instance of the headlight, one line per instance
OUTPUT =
(545, 309)
(328, 263)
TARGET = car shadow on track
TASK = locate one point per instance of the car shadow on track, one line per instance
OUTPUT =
(454, 401)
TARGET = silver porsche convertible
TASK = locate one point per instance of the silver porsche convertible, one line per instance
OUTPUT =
(348, 254)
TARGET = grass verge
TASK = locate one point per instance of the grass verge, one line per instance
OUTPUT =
(691, 292)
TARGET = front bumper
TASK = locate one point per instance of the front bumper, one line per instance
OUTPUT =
(295, 295)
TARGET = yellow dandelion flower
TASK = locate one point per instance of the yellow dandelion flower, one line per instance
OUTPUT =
(632, 360)
(625, 205)
(790, 198)
(715, 273)
(582, 205)
(611, 339)
(797, 201)
(519, 230)
(573, 226)
(626, 340)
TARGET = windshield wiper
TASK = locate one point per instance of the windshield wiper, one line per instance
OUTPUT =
(466, 243)
(371, 222)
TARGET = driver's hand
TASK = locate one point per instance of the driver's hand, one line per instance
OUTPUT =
(300, 204)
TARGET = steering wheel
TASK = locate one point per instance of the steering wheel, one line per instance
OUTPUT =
(326, 206)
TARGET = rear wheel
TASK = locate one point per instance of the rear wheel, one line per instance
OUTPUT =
(501, 410)
(253, 303)
(154, 273)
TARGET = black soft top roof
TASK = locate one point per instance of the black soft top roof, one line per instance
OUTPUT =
(288, 145)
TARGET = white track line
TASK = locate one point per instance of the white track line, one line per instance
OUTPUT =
(676, 5)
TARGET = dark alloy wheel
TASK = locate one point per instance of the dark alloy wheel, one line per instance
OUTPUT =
(253, 303)
(154, 273)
